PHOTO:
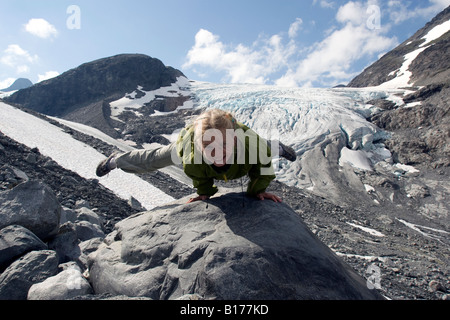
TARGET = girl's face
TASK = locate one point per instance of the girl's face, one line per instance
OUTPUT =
(218, 148)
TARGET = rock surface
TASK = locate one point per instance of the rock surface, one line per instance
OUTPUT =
(231, 247)
(16, 241)
(32, 268)
(32, 205)
(67, 284)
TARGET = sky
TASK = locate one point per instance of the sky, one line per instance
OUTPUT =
(292, 43)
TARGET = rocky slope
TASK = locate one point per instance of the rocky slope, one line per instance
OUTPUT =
(430, 66)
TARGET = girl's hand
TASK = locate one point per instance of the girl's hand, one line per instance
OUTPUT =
(266, 195)
(199, 198)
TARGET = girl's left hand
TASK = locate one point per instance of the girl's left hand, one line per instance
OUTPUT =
(266, 195)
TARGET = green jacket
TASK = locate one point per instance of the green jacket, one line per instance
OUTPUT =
(259, 169)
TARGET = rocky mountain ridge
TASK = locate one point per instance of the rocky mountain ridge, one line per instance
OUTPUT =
(83, 94)
(430, 66)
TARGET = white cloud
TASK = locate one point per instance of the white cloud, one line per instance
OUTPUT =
(6, 83)
(16, 57)
(354, 12)
(324, 3)
(41, 28)
(240, 63)
(400, 11)
(47, 75)
(295, 27)
(330, 60)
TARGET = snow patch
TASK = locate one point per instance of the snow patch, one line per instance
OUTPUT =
(406, 168)
(369, 189)
(130, 102)
(432, 233)
(7, 94)
(368, 258)
(371, 231)
(436, 33)
(403, 75)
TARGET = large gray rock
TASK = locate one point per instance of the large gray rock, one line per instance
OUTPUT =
(32, 268)
(67, 284)
(231, 247)
(16, 241)
(33, 205)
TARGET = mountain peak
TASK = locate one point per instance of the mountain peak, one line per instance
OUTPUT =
(422, 59)
(21, 83)
(98, 80)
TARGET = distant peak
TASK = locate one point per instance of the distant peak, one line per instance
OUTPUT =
(20, 83)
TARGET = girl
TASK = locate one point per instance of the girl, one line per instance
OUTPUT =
(215, 146)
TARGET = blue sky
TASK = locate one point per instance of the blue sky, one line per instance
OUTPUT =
(310, 43)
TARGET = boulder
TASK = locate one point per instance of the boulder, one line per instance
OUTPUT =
(16, 241)
(34, 267)
(86, 214)
(230, 247)
(87, 230)
(33, 205)
(67, 284)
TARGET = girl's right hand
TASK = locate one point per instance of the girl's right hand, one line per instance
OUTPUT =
(199, 198)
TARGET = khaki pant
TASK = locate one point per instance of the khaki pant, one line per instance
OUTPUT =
(142, 161)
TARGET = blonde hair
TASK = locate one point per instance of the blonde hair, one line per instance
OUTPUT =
(212, 119)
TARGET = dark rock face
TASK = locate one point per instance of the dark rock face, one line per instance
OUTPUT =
(32, 268)
(230, 248)
(15, 241)
(33, 205)
(93, 82)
